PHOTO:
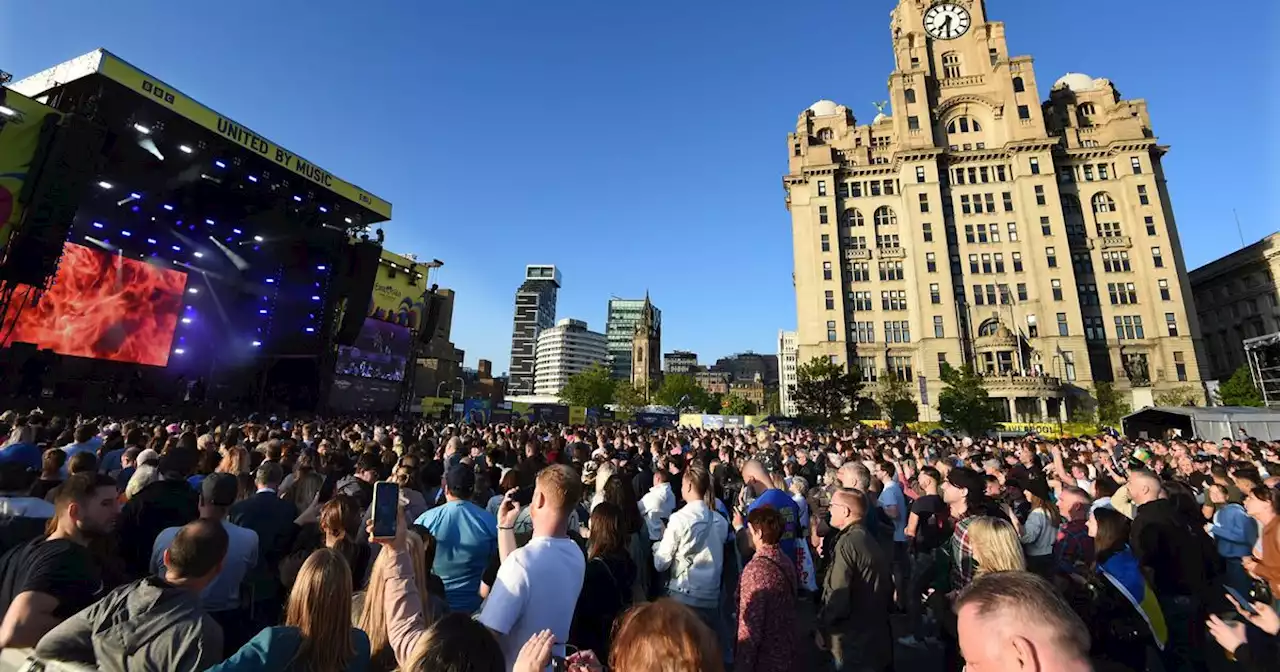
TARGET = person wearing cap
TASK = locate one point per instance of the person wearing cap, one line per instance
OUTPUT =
(466, 538)
(221, 598)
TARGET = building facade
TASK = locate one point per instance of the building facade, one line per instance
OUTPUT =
(535, 311)
(788, 362)
(753, 391)
(680, 361)
(747, 366)
(1236, 299)
(620, 328)
(646, 346)
(981, 223)
(714, 382)
(564, 350)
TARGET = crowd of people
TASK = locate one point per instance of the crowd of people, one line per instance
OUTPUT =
(245, 544)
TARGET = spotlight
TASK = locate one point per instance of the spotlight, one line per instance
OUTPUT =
(321, 267)
(97, 225)
(297, 198)
(219, 164)
(262, 311)
(257, 239)
(185, 149)
(150, 145)
(179, 351)
(168, 207)
(253, 179)
(151, 241)
(186, 320)
(315, 298)
(348, 219)
(142, 129)
(324, 209)
(271, 281)
(209, 222)
(193, 290)
(105, 185)
(8, 111)
(126, 234)
(382, 237)
(236, 231)
(257, 343)
(175, 248)
(311, 330)
(199, 255)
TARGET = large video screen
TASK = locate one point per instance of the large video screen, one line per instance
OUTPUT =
(363, 395)
(102, 306)
(381, 351)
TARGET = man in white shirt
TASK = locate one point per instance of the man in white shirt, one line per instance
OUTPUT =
(657, 505)
(538, 584)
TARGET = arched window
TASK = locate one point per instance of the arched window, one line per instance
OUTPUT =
(825, 134)
(1103, 203)
(950, 65)
(885, 217)
(1070, 204)
(1018, 86)
(989, 327)
(964, 125)
(911, 95)
(852, 217)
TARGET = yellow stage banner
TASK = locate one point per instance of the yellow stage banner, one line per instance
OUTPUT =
(434, 405)
(133, 78)
(395, 300)
(19, 140)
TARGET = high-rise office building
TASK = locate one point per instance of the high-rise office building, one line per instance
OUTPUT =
(564, 350)
(679, 361)
(787, 365)
(624, 315)
(535, 311)
(981, 223)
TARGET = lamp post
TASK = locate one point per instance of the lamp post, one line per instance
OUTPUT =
(442, 383)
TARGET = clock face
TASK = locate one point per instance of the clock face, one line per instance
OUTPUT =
(947, 21)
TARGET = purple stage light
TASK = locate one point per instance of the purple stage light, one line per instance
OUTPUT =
(236, 231)
(262, 311)
(257, 344)
(219, 164)
(126, 234)
(135, 208)
(321, 267)
(97, 225)
(209, 222)
(179, 351)
(271, 281)
(151, 240)
(297, 198)
(315, 298)
(175, 248)
(311, 330)
(253, 179)
(168, 207)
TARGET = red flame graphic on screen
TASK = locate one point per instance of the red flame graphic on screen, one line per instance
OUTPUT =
(102, 306)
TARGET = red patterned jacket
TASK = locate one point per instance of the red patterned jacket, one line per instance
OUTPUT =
(767, 613)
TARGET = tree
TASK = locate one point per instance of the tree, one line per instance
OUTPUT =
(893, 396)
(1239, 390)
(825, 392)
(714, 404)
(592, 388)
(736, 405)
(627, 397)
(1183, 395)
(772, 403)
(964, 404)
(1112, 406)
(680, 391)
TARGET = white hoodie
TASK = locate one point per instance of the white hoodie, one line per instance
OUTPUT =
(693, 548)
(656, 507)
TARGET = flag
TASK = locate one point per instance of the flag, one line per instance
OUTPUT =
(1123, 572)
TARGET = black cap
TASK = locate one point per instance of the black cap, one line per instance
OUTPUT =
(461, 479)
(219, 489)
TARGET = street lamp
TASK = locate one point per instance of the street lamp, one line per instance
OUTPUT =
(462, 387)
(442, 384)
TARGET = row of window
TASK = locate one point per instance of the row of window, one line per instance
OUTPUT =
(895, 331)
(978, 174)
(982, 233)
(993, 263)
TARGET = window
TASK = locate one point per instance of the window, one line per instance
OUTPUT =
(964, 125)
(1108, 229)
(1035, 166)
(924, 202)
(893, 300)
(950, 65)
(984, 173)
(897, 332)
(822, 214)
(831, 300)
(1005, 297)
(826, 243)
(855, 189)
(991, 294)
(935, 294)
(995, 233)
(1122, 293)
(1069, 364)
(888, 242)
(890, 270)
(862, 300)
(1102, 202)
(1164, 289)
(853, 218)
(1013, 232)
(867, 365)
(931, 262)
(937, 326)
(1051, 257)
(991, 202)
(1040, 194)
(822, 186)
(1082, 263)
(842, 190)
(885, 217)
(942, 363)
(1087, 109)
(1018, 86)
(959, 175)
(927, 230)
(1116, 262)
(1024, 112)
(973, 263)
(900, 367)
(999, 259)
(968, 234)
(1088, 173)
(1008, 201)
(1129, 327)
(875, 187)
(1045, 228)
(1056, 286)
(920, 174)
(861, 271)
(825, 135)
(826, 270)
(1151, 224)
(982, 233)
(994, 55)
(964, 204)
(1142, 195)
(858, 243)
(977, 295)
(1033, 328)
(1088, 295)
(1022, 291)
(915, 63)
(910, 95)
(986, 264)
(831, 330)
(1102, 172)
(1156, 259)
(1179, 363)
(863, 332)
(1093, 329)
(913, 123)
(1171, 321)
(1137, 165)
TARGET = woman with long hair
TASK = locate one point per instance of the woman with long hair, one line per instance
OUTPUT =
(368, 610)
(235, 460)
(1040, 531)
(311, 639)
(1263, 505)
(338, 529)
(607, 582)
(304, 484)
(996, 546)
(664, 636)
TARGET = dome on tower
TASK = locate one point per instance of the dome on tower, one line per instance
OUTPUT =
(823, 108)
(1077, 82)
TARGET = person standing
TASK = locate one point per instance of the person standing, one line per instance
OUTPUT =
(1234, 533)
(166, 503)
(767, 625)
(928, 528)
(857, 592)
(692, 548)
(272, 519)
(466, 537)
(607, 582)
(893, 502)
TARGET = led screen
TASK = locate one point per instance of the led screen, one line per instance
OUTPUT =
(381, 351)
(102, 306)
(362, 395)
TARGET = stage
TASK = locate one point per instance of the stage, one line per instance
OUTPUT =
(204, 263)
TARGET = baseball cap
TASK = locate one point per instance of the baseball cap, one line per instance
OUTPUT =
(219, 489)
(460, 478)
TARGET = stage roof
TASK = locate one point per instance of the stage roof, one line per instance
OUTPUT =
(361, 205)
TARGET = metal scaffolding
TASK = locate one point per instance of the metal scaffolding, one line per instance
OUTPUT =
(1263, 353)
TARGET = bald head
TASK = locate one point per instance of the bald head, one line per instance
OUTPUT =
(1144, 487)
(1015, 620)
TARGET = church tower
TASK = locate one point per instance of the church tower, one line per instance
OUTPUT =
(646, 350)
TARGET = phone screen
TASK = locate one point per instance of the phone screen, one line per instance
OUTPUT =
(386, 499)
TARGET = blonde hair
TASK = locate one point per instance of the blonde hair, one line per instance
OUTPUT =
(561, 485)
(373, 617)
(996, 546)
(322, 589)
(234, 461)
(602, 475)
(663, 636)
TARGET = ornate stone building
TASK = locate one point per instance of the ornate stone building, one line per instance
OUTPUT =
(1237, 298)
(981, 223)
(646, 350)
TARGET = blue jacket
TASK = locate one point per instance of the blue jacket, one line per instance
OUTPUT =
(273, 649)
(1234, 531)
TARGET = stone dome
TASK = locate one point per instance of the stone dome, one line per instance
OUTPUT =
(1076, 81)
(823, 108)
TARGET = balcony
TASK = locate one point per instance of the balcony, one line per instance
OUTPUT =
(1016, 384)
(893, 253)
(857, 255)
(1111, 243)
(971, 80)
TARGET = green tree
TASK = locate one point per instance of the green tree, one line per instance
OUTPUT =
(1183, 395)
(593, 388)
(772, 403)
(736, 405)
(893, 396)
(714, 404)
(627, 397)
(964, 404)
(680, 391)
(1239, 390)
(1112, 406)
(825, 392)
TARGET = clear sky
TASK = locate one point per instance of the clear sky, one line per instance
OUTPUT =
(641, 145)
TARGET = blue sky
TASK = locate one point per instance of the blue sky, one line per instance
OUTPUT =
(641, 145)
